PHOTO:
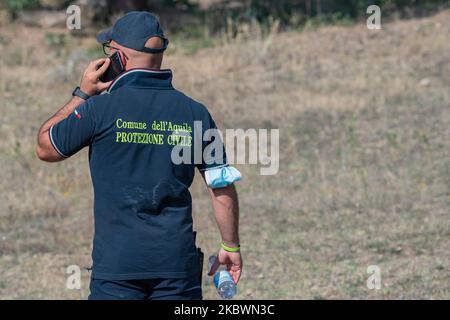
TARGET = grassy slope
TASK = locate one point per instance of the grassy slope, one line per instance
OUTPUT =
(364, 175)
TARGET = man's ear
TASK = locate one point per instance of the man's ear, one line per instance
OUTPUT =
(122, 59)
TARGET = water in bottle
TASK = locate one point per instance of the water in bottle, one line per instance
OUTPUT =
(226, 288)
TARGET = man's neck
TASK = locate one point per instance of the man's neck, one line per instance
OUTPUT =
(142, 65)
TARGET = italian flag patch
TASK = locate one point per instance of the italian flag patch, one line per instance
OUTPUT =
(77, 114)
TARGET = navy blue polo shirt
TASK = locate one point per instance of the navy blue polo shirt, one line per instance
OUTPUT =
(142, 205)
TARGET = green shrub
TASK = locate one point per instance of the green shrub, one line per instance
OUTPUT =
(294, 13)
(14, 6)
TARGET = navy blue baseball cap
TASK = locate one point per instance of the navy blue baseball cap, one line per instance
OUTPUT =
(133, 30)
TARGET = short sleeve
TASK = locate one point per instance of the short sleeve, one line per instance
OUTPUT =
(213, 150)
(75, 132)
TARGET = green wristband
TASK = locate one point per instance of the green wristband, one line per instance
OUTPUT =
(230, 249)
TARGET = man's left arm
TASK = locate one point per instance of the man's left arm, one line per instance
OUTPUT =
(91, 85)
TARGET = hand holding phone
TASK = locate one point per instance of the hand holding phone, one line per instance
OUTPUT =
(90, 83)
(116, 67)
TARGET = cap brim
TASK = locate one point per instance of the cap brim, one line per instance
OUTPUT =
(104, 36)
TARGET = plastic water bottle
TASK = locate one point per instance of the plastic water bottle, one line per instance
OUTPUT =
(226, 288)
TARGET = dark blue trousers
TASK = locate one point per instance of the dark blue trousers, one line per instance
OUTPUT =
(146, 289)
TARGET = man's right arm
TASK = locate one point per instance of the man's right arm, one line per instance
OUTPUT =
(91, 85)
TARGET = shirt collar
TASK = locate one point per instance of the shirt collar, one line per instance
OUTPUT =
(143, 78)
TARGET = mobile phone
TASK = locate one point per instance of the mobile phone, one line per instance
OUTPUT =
(115, 68)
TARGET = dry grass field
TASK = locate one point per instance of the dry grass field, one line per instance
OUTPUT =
(364, 119)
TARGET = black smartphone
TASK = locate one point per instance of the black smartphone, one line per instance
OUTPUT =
(115, 68)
